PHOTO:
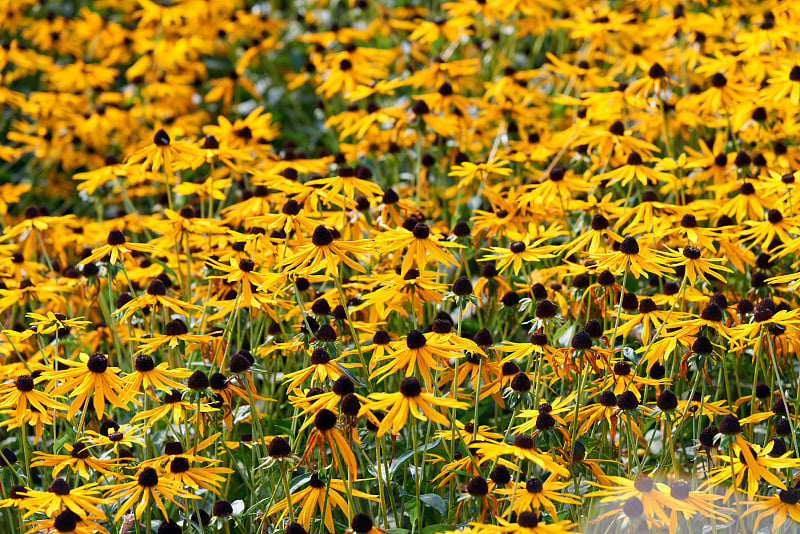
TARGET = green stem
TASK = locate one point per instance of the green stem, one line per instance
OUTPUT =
(477, 401)
(790, 416)
(417, 477)
(285, 479)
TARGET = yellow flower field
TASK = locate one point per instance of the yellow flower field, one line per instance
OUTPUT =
(476, 267)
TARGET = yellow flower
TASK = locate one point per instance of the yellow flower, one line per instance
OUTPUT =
(315, 496)
(144, 488)
(89, 377)
(422, 248)
(82, 500)
(779, 507)
(630, 256)
(163, 151)
(414, 400)
(518, 253)
(21, 396)
(527, 523)
(696, 266)
(467, 171)
(523, 448)
(117, 247)
(325, 253)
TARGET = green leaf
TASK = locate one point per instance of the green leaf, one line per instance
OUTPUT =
(411, 509)
(299, 482)
(166, 267)
(400, 460)
(350, 375)
(433, 529)
(434, 501)
(60, 444)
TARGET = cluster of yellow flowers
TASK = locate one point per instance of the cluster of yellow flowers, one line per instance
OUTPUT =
(476, 267)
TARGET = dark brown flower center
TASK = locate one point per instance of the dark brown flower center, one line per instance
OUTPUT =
(116, 238)
(97, 363)
(643, 484)
(523, 441)
(528, 519)
(178, 465)
(24, 383)
(629, 246)
(79, 450)
(321, 236)
(410, 387)
(680, 490)
(534, 485)
(59, 487)
(692, 253)
(148, 477)
(161, 138)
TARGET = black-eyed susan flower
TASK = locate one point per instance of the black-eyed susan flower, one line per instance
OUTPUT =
(56, 322)
(655, 82)
(162, 151)
(633, 169)
(631, 257)
(79, 460)
(527, 523)
(117, 247)
(149, 376)
(696, 266)
(256, 127)
(518, 253)
(117, 436)
(784, 82)
(90, 379)
(313, 497)
(172, 407)
(522, 448)
(175, 332)
(397, 290)
(22, 395)
(414, 354)
(749, 465)
(144, 488)
(187, 472)
(780, 506)
(656, 503)
(67, 522)
(536, 494)
(325, 431)
(155, 294)
(322, 367)
(346, 182)
(414, 400)
(423, 247)
(325, 253)
(700, 503)
(467, 172)
(84, 500)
